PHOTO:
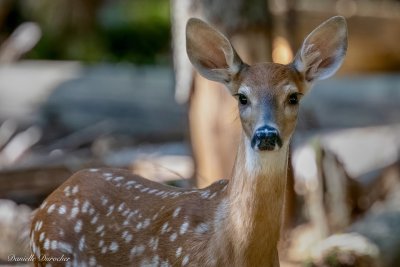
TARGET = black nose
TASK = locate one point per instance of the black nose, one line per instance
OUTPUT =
(266, 138)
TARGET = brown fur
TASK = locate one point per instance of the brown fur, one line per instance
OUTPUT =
(111, 217)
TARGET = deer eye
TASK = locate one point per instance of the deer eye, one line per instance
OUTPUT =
(293, 99)
(242, 99)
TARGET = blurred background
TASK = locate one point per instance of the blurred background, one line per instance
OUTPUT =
(106, 83)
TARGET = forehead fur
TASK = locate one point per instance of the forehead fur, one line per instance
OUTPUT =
(270, 76)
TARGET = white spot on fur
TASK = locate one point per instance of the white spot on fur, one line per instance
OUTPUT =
(41, 237)
(114, 246)
(164, 228)
(201, 228)
(78, 226)
(121, 207)
(46, 244)
(137, 250)
(104, 200)
(43, 205)
(176, 212)
(91, 211)
(53, 244)
(75, 189)
(64, 247)
(51, 208)
(178, 252)
(62, 210)
(93, 170)
(173, 237)
(213, 195)
(153, 243)
(129, 183)
(99, 228)
(124, 234)
(126, 212)
(92, 261)
(185, 260)
(82, 243)
(118, 178)
(176, 194)
(38, 225)
(101, 243)
(205, 194)
(160, 193)
(152, 191)
(67, 191)
(134, 212)
(155, 216)
(110, 210)
(94, 219)
(144, 189)
(74, 212)
(128, 238)
(155, 261)
(184, 228)
(33, 247)
(85, 206)
(146, 223)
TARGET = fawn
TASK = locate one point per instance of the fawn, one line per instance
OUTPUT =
(107, 217)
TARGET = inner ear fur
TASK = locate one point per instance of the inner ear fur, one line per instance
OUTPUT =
(323, 50)
(211, 53)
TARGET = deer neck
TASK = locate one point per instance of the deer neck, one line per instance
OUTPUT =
(254, 205)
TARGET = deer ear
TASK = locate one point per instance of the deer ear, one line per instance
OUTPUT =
(211, 53)
(323, 50)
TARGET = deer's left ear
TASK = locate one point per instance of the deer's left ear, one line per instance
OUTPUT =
(323, 50)
(211, 53)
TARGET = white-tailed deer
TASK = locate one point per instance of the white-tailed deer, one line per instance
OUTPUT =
(105, 217)
(212, 111)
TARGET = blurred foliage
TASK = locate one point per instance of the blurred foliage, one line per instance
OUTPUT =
(137, 31)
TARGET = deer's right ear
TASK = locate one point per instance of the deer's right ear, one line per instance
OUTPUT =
(211, 53)
(323, 50)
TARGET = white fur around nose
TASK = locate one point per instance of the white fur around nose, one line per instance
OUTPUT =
(258, 162)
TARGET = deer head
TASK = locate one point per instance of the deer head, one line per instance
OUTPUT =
(268, 94)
